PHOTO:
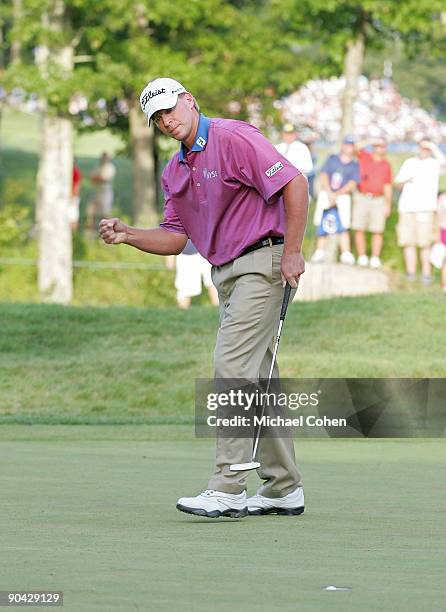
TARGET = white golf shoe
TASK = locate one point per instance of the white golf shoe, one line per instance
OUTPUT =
(375, 262)
(214, 504)
(362, 260)
(318, 256)
(290, 505)
(347, 258)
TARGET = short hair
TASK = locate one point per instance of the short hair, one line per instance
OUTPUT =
(197, 108)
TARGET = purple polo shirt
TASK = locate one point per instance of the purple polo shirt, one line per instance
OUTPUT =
(226, 192)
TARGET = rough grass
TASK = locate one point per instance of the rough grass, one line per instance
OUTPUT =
(124, 365)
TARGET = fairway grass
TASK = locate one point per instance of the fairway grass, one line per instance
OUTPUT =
(96, 518)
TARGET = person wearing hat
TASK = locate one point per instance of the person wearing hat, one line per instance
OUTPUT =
(339, 178)
(372, 203)
(295, 151)
(244, 206)
(418, 179)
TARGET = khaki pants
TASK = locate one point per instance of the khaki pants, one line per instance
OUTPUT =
(369, 213)
(250, 292)
(416, 229)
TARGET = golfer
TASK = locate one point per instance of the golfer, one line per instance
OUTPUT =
(244, 206)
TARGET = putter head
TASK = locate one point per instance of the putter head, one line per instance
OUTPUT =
(244, 467)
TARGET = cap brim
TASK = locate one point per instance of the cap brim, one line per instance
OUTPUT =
(166, 102)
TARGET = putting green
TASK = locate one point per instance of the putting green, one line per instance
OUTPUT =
(96, 518)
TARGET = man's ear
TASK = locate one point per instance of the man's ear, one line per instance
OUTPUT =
(189, 98)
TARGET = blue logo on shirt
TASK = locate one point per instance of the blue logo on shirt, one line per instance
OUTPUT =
(201, 138)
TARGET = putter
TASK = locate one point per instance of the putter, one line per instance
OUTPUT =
(253, 464)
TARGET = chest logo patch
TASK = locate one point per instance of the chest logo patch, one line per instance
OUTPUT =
(271, 171)
(209, 174)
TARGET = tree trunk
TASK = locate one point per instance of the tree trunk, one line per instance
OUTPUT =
(353, 63)
(54, 179)
(144, 180)
(16, 45)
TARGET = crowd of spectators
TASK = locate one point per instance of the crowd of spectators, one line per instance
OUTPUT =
(379, 111)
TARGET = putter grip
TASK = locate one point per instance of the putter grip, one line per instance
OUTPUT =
(286, 299)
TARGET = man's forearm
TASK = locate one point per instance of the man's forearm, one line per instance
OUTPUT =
(157, 240)
(348, 188)
(295, 196)
(325, 183)
(438, 154)
(387, 189)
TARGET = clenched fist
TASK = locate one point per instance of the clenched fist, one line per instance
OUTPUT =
(113, 231)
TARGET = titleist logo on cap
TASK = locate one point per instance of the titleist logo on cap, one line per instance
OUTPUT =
(151, 94)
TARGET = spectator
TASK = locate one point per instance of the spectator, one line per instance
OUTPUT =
(338, 179)
(73, 210)
(311, 177)
(296, 152)
(418, 179)
(191, 270)
(372, 203)
(442, 223)
(101, 203)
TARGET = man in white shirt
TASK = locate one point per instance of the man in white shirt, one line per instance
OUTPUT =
(418, 179)
(296, 152)
(101, 203)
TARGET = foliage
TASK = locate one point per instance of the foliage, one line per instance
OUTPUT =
(15, 220)
(329, 24)
(419, 78)
(14, 224)
(222, 50)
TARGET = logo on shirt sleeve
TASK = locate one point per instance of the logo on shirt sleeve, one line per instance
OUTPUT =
(271, 171)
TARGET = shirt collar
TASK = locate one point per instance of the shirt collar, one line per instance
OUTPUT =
(201, 137)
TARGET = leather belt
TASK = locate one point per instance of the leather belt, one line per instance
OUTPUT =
(370, 196)
(270, 241)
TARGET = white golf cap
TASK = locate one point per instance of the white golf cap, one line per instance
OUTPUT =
(160, 94)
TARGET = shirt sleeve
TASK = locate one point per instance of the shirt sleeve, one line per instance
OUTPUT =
(388, 174)
(364, 155)
(327, 166)
(356, 175)
(306, 163)
(257, 163)
(171, 221)
(107, 172)
(405, 172)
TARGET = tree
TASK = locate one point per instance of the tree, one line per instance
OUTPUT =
(221, 50)
(55, 166)
(420, 78)
(344, 30)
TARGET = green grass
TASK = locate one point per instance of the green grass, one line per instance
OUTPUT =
(97, 520)
(128, 365)
(91, 509)
(153, 286)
